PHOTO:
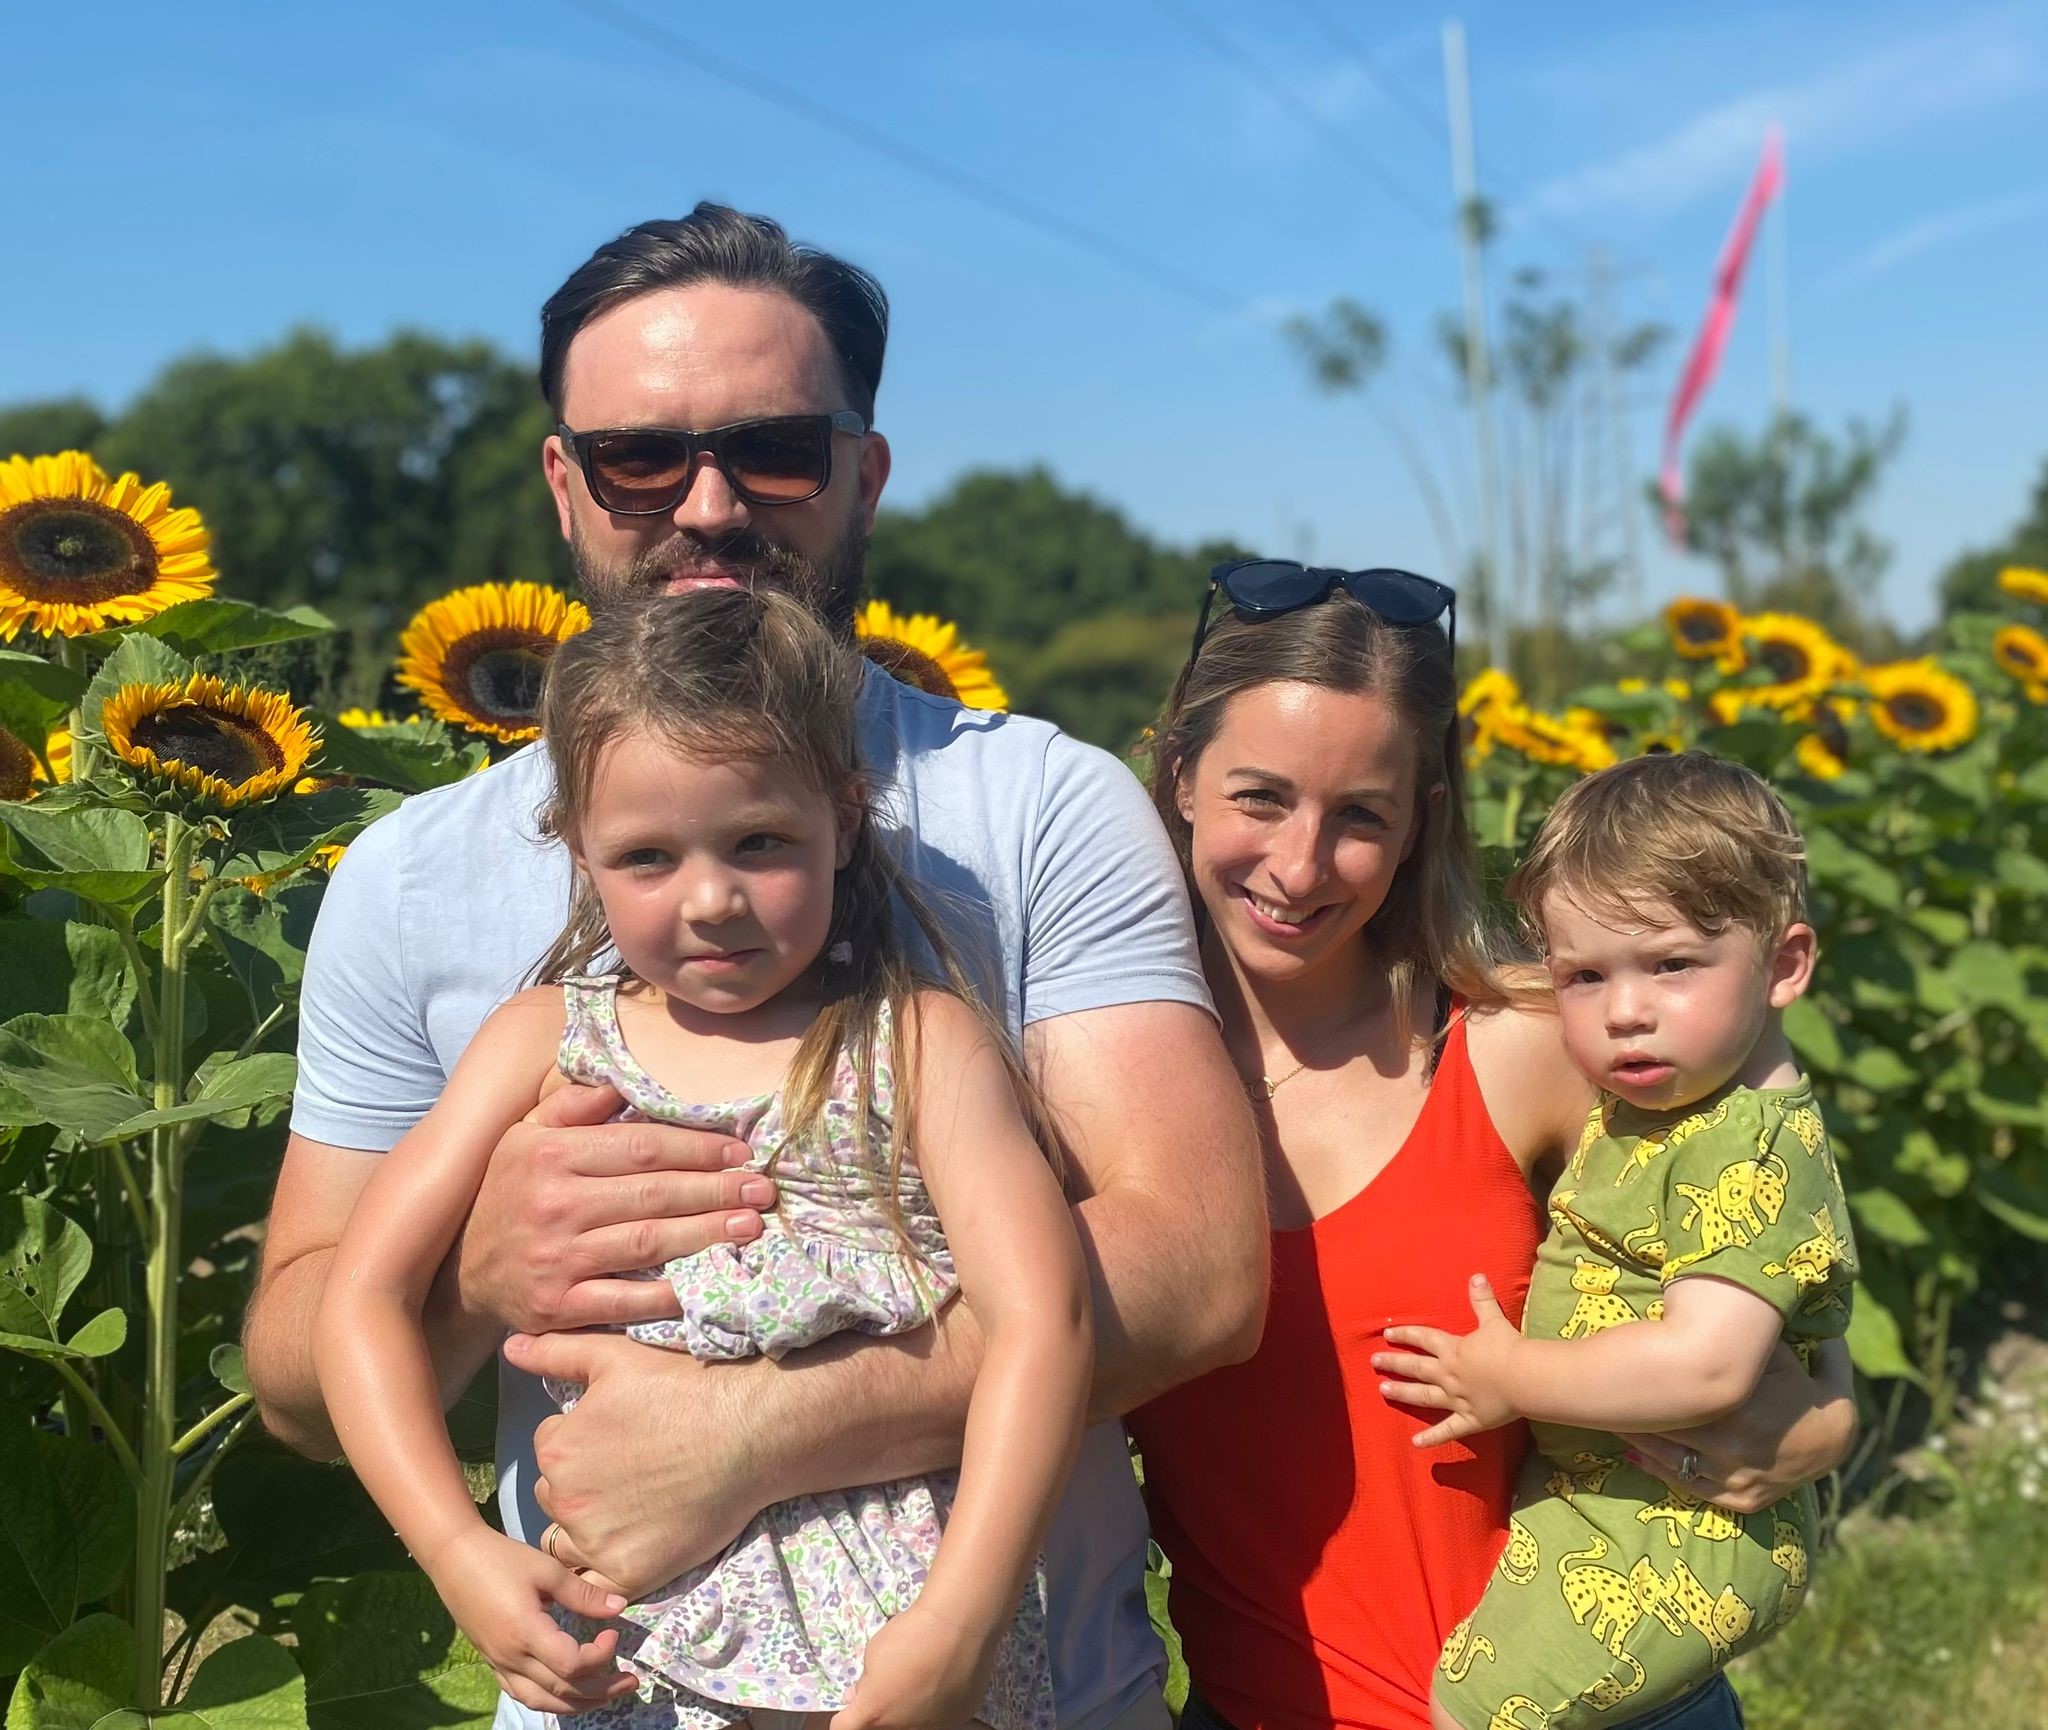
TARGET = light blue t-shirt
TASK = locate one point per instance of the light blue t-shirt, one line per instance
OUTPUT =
(1041, 851)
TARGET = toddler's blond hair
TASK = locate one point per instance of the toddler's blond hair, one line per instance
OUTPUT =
(1680, 830)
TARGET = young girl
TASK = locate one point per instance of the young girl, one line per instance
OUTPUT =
(1669, 896)
(708, 790)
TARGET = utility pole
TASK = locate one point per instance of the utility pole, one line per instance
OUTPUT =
(1615, 412)
(1478, 362)
(1781, 308)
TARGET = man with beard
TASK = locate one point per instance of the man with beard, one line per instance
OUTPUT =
(715, 390)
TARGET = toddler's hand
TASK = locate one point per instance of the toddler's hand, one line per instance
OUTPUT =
(919, 1673)
(1463, 1374)
(498, 1590)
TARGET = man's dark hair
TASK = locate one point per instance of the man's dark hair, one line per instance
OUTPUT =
(716, 243)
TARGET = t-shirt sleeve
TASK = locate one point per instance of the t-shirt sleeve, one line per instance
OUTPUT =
(367, 1072)
(1755, 1199)
(1106, 911)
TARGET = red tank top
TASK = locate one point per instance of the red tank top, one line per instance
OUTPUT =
(1319, 1557)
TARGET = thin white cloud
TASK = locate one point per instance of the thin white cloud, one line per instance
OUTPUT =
(1944, 226)
(1966, 64)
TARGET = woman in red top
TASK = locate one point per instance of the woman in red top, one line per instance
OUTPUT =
(1413, 1096)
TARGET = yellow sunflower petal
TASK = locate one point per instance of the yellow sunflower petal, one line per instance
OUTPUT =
(2025, 582)
(80, 552)
(1802, 659)
(2022, 652)
(924, 650)
(477, 657)
(221, 745)
(1920, 707)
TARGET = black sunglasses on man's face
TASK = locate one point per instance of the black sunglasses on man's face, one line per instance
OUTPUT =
(646, 471)
(1262, 588)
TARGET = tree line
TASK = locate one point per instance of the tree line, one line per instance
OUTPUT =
(367, 481)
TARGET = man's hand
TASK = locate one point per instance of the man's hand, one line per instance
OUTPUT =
(1466, 1375)
(571, 1201)
(1795, 1428)
(650, 1473)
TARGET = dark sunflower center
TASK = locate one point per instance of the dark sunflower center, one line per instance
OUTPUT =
(1828, 725)
(1701, 627)
(1788, 662)
(17, 767)
(908, 666)
(1916, 711)
(74, 550)
(497, 674)
(227, 747)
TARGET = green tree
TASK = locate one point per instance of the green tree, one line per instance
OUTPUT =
(1014, 557)
(34, 429)
(1970, 584)
(1782, 516)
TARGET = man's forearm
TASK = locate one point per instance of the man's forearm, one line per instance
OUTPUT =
(277, 1341)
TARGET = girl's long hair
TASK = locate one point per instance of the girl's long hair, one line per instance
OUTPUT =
(731, 674)
(1433, 928)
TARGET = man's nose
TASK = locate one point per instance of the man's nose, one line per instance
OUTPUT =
(711, 508)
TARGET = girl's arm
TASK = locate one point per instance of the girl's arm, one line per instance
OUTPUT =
(1020, 1268)
(1699, 1362)
(378, 1379)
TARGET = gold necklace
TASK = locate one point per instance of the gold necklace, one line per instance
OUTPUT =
(1263, 1087)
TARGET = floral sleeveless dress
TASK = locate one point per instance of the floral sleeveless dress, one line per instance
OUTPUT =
(779, 1621)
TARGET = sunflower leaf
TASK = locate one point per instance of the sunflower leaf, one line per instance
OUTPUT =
(43, 1257)
(286, 832)
(35, 696)
(71, 1070)
(135, 660)
(389, 757)
(102, 856)
(226, 1090)
(215, 623)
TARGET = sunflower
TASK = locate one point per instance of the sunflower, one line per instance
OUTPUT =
(2026, 583)
(2023, 652)
(924, 650)
(1487, 688)
(1546, 739)
(227, 745)
(477, 656)
(1921, 708)
(80, 552)
(22, 771)
(1823, 750)
(1706, 630)
(1668, 743)
(1802, 659)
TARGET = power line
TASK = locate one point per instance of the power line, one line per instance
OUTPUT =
(1291, 105)
(960, 181)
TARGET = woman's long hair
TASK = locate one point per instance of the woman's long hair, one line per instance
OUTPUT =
(733, 674)
(1433, 928)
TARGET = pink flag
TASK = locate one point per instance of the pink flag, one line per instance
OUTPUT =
(1705, 359)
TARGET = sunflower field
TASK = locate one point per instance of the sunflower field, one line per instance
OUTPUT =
(166, 825)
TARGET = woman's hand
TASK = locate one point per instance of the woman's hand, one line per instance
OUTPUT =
(498, 1591)
(1463, 1374)
(921, 1672)
(1795, 1428)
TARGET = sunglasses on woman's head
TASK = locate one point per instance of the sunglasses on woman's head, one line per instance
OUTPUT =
(1263, 588)
(645, 471)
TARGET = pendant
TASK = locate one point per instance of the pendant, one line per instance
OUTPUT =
(1259, 1087)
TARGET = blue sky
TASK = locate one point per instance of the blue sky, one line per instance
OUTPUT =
(210, 179)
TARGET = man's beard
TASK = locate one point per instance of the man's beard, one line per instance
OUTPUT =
(830, 587)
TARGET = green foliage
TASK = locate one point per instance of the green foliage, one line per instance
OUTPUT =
(150, 954)
(1017, 557)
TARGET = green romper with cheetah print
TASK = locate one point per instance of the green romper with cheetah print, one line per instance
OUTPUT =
(1617, 1593)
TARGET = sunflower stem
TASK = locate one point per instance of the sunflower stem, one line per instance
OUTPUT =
(157, 1453)
(77, 1387)
(84, 759)
(124, 927)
